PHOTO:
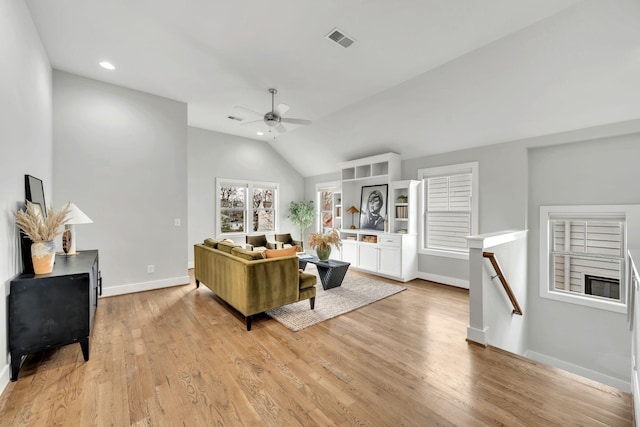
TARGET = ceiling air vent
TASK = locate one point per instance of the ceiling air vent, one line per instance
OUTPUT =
(340, 37)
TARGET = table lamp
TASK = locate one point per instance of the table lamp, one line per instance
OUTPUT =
(352, 210)
(76, 216)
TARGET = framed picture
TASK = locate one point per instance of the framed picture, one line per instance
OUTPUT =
(373, 206)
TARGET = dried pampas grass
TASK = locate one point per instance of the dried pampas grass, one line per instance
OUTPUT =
(38, 228)
(324, 240)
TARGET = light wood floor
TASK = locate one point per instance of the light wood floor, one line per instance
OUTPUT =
(180, 356)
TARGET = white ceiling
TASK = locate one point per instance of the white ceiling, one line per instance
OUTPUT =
(424, 76)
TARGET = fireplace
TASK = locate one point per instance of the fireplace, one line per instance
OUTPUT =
(602, 286)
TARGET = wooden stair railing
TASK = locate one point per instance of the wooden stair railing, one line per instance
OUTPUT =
(505, 284)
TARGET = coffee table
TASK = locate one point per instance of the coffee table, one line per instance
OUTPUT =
(331, 272)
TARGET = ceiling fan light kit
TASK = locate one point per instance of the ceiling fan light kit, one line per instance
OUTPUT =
(273, 118)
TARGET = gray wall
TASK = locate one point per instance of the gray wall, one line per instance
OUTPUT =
(599, 172)
(121, 156)
(215, 155)
(25, 138)
(502, 178)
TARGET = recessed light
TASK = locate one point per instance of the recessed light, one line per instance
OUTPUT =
(108, 65)
(259, 133)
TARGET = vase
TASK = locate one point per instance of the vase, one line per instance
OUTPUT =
(43, 254)
(323, 254)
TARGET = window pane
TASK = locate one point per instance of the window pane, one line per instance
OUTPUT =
(232, 221)
(263, 220)
(263, 198)
(232, 196)
(580, 270)
(327, 200)
(232, 209)
(327, 219)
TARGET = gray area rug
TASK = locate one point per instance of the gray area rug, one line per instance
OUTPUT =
(356, 291)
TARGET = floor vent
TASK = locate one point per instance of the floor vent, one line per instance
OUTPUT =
(340, 37)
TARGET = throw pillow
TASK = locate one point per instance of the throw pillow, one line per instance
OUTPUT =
(226, 247)
(245, 254)
(276, 253)
(211, 243)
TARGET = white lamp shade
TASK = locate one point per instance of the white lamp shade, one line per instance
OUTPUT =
(76, 216)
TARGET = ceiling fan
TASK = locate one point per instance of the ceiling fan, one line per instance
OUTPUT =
(273, 118)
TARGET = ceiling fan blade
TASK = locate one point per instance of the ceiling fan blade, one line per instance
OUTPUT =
(252, 121)
(296, 121)
(248, 110)
(280, 128)
(281, 109)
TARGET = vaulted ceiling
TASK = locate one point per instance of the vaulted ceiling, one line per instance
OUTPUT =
(423, 76)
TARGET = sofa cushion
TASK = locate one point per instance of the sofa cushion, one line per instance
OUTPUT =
(226, 246)
(245, 254)
(211, 243)
(307, 280)
(276, 253)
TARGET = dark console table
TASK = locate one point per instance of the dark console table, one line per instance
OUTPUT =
(55, 309)
(331, 272)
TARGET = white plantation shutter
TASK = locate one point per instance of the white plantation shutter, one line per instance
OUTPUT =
(448, 216)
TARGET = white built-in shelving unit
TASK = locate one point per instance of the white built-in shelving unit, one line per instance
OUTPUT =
(391, 252)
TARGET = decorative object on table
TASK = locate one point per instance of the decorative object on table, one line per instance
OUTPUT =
(353, 210)
(76, 216)
(373, 206)
(42, 229)
(322, 243)
(66, 241)
(302, 214)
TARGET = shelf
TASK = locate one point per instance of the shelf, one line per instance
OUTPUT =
(363, 171)
(379, 169)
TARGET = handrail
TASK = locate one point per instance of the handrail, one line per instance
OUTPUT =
(505, 284)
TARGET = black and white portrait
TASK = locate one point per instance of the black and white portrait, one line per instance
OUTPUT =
(373, 207)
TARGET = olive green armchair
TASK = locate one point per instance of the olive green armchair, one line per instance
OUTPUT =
(288, 241)
(258, 243)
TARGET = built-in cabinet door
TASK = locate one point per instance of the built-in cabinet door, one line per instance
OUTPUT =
(390, 260)
(350, 252)
(368, 257)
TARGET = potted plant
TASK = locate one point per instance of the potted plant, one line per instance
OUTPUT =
(302, 213)
(42, 230)
(403, 198)
(322, 243)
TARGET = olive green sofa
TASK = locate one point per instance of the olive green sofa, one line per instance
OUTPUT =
(248, 282)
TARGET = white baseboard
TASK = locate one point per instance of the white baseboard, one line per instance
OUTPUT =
(4, 377)
(451, 281)
(579, 370)
(477, 335)
(144, 286)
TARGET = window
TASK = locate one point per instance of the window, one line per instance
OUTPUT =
(328, 201)
(245, 207)
(263, 209)
(582, 253)
(450, 209)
